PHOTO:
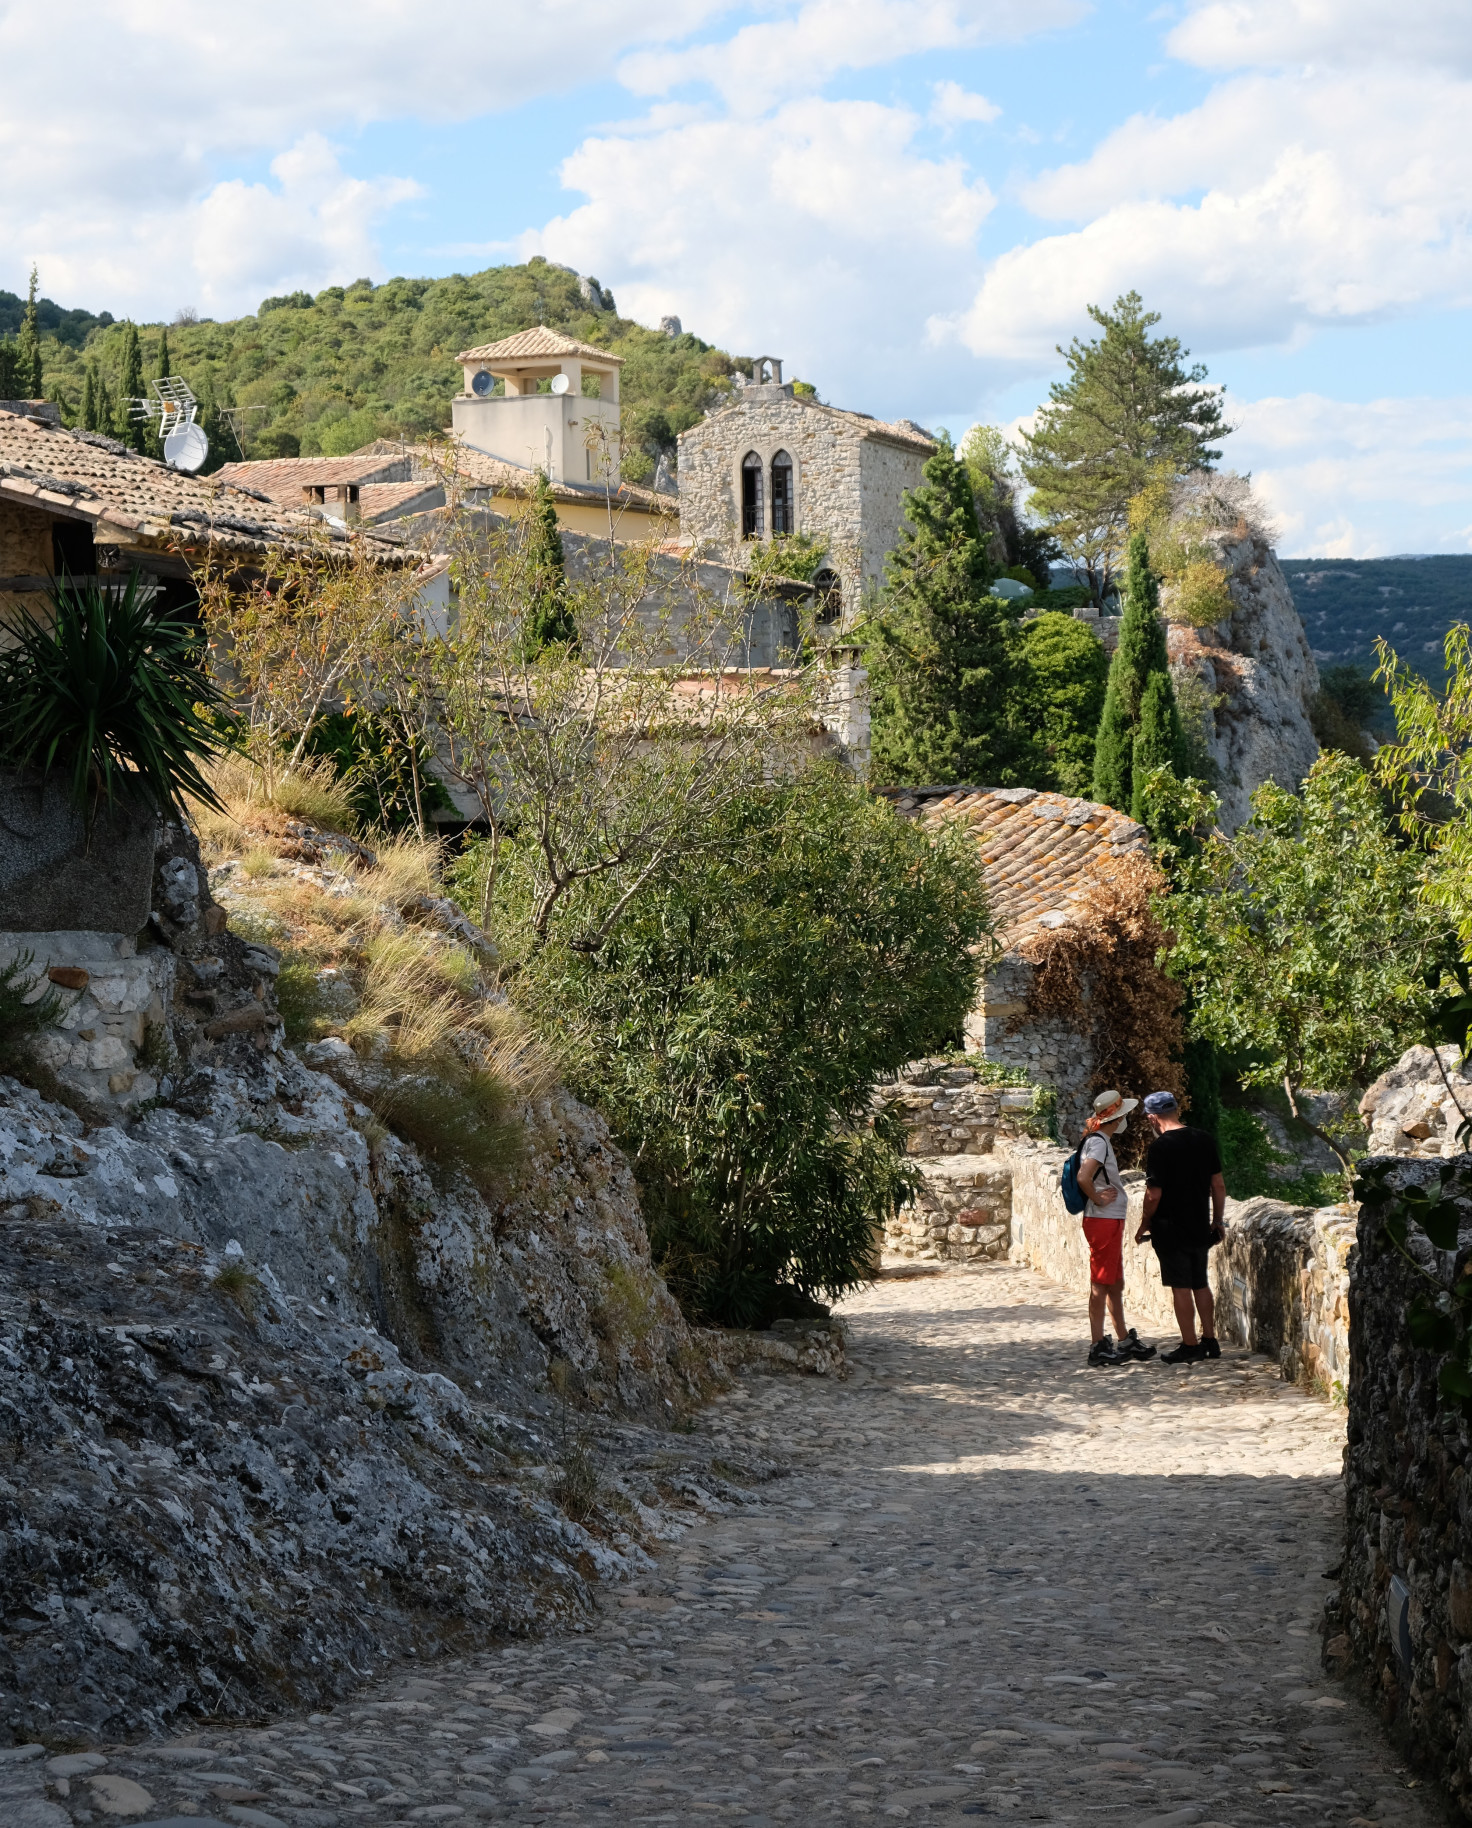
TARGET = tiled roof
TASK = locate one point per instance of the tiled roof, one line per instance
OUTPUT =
(284, 478)
(480, 471)
(384, 501)
(1040, 850)
(83, 476)
(527, 345)
(899, 431)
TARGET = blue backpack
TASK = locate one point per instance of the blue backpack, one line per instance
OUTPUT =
(1074, 1197)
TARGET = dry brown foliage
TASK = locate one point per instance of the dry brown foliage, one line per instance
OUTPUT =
(1099, 973)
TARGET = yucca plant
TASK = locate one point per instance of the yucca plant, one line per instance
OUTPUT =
(111, 695)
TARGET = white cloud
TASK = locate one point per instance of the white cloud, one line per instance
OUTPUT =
(124, 120)
(800, 234)
(1345, 480)
(953, 104)
(764, 62)
(1319, 201)
(1234, 34)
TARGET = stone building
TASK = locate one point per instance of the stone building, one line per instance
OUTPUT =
(777, 462)
(1041, 852)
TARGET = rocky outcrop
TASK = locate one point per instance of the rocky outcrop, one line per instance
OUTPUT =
(1258, 666)
(1418, 1106)
(281, 1401)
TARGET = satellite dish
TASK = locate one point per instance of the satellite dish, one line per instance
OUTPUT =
(186, 447)
(560, 383)
(482, 383)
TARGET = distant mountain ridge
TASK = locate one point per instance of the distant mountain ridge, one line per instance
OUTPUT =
(1411, 600)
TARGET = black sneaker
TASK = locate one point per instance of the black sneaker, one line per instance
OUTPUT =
(1210, 1348)
(1102, 1352)
(1184, 1355)
(1133, 1347)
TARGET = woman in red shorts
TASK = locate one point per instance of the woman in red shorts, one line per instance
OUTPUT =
(1104, 1217)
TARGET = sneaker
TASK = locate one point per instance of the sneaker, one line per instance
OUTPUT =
(1183, 1355)
(1210, 1348)
(1102, 1352)
(1133, 1347)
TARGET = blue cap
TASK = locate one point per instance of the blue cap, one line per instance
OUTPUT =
(1161, 1104)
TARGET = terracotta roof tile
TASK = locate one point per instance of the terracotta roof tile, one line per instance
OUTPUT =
(527, 345)
(1038, 849)
(98, 480)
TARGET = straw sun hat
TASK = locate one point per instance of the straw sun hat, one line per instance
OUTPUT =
(1112, 1106)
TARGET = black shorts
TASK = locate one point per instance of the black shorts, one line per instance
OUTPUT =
(1185, 1268)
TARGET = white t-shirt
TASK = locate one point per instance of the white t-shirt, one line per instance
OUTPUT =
(1099, 1148)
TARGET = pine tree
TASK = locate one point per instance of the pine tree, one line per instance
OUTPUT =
(129, 430)
(1129, 410)
(943, 652)
(28, 347)
(1140, 661)
(549, 618)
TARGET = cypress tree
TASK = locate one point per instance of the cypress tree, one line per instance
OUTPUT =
(9, 369)
(164, 370)
(28, 347)
(87, 417)
(549, 617)
(1140, 660)
(943, 653)
(129, 430)
(1158, 741)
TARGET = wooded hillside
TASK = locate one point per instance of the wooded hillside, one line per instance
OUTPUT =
(328, 374)
(1412, 602)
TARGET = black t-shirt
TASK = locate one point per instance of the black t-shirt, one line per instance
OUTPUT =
(1181, 1163)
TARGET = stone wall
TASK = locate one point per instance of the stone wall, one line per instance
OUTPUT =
(846, 484)
(1281, 1279)
(963, 1209)
(25, 542)
(1401, 1621)
(1050, 1051)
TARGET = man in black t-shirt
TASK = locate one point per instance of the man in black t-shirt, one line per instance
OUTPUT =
(1185, 1207)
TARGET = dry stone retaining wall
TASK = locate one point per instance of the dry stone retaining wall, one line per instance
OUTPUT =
(1402, 1617)
(963, 1209)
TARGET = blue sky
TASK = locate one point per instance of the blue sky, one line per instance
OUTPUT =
(913, 201)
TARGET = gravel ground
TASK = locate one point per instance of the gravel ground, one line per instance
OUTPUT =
(994, 1583)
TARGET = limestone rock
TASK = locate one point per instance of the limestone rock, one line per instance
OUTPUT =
(1259, 662)
(1414, 1108)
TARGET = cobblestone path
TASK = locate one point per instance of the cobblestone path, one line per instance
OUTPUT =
(996, 1583)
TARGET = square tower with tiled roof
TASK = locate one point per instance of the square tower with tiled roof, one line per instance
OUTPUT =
(542, 401)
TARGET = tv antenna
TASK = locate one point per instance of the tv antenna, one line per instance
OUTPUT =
(175, 408)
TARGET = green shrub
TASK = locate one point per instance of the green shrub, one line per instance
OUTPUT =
(1249, 1158)
(111, 694)
(463, 1118)
(300, 998)
(19, 1019)
(733, 1027)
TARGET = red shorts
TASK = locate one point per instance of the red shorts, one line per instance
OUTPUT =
(1106, 1250)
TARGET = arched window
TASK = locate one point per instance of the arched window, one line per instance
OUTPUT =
(828, 594)
(751, 497)
(782, 515)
